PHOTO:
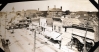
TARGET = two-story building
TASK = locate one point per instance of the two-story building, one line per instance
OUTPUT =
(57, 24)
(42, 23)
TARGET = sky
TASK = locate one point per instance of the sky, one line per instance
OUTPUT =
(72, 5)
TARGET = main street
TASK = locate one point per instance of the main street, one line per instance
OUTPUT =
(22, 40)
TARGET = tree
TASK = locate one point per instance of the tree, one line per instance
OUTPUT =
(34, 15)
(67, 12)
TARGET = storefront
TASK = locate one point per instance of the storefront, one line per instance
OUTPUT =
(43, 24)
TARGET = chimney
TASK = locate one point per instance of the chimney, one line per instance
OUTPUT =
(61, 8)
(54, 6)
(38, 9)
(48, 8)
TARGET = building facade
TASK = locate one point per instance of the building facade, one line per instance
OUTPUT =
(55, 12)
(43, 23)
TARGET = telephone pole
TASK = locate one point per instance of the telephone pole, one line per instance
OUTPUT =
(5, 25)
(34, 40)
(85, 37)
(34, 33)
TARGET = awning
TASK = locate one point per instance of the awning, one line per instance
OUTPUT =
(53, 35)
(80, 32)
(35, 23)
(79, 38)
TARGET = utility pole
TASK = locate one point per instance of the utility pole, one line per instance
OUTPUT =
(34, 40)
(85, 41)
(0, 24)
(86, 35)
(34, 46)
(5, 25)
